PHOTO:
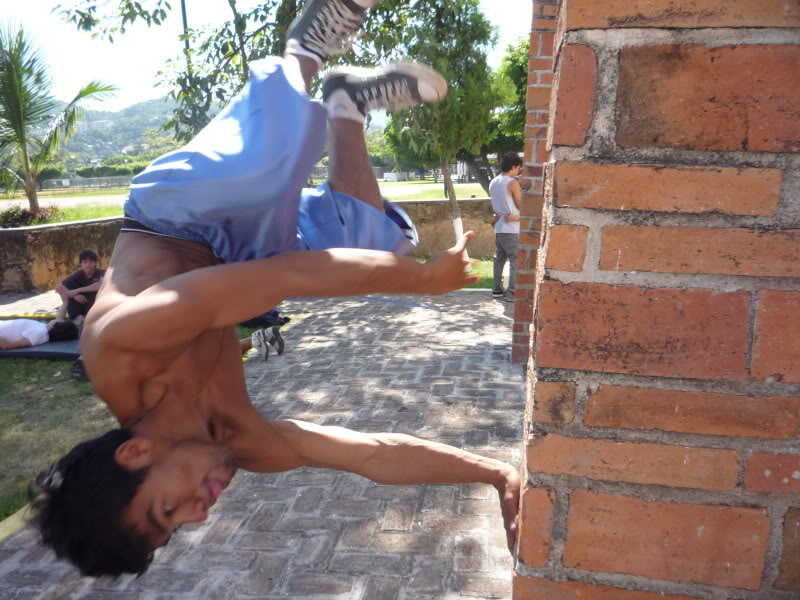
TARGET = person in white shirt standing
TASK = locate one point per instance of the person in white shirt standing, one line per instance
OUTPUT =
(506, 197)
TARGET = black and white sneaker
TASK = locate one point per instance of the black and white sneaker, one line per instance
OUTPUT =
(351, 92)
(260, 341)
(326, 28)
(275, 339)
(498, 293)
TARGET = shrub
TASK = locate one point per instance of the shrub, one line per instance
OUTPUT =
(16, 216)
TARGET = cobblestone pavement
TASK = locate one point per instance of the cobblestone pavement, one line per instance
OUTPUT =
(317, 534)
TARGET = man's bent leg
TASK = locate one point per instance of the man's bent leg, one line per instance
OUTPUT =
(350, 93)
(350, 170)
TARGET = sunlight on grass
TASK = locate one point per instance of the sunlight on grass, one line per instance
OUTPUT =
(85, 212)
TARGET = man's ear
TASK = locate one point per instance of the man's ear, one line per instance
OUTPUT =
(136, 453)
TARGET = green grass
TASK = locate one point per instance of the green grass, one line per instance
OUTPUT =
(45, 195)
(84, 212)
(433, 191)
(485, 269)
(43, 414)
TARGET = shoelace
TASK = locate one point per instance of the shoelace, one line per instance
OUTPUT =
(331, 31)
(390, 95)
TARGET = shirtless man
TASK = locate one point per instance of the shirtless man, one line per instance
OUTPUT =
(210, 241)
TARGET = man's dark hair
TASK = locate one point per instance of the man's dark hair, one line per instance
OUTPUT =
(90, 254)
(78, 505)
(62, 331)
(510, 160)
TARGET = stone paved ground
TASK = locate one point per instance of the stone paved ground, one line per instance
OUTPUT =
(318, 534)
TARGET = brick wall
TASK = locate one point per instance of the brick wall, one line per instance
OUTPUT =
(540, 84)
(662, 449)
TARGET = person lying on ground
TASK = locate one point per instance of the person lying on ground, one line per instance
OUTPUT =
(216, 233)
(24, 333)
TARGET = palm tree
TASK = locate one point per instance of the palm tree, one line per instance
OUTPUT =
(33, 124)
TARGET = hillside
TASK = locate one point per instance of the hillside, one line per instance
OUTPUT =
(105, 133)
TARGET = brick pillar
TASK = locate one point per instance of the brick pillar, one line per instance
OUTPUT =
(540, 83)
(662, 450)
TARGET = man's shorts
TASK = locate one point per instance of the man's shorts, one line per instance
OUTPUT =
(238, 185)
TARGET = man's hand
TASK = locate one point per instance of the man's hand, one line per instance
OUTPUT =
(62, 291)
(496, 218)
(449, 270)
(512, 218)
(80, 298)
(508, 490)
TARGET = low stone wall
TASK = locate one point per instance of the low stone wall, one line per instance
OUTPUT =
(38, 258)
(436, 229)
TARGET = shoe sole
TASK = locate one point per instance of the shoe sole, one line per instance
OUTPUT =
(420, 71)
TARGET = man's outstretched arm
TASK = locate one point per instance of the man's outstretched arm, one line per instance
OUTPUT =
(388, 458)
(174, 311)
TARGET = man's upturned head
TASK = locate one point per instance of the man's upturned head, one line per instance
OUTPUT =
(109, 503)
(79, 503)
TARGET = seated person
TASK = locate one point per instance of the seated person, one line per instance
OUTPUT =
(24, 333)
(79, 290)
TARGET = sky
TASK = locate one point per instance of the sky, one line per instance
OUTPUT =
(133, 60)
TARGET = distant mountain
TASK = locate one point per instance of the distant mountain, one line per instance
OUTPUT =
(104, 133)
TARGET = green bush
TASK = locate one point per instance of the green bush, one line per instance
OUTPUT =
(16, 216)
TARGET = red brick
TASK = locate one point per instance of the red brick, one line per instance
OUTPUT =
(773, 473)
(545, 78)
(520, 355)
(574, 95)
(549, 10)
(789, 569)
(553, 401)
(668, 189)
(544, 24)
(536, 523)
(540, 64)
(693, 412)
(714, 545)
(776, 349)
(719, 251)
(531, 239)
(692, 333)
(701, 98)
(547, 44)
(566, 248)
(590, 14)
(533, 588)
(651, 464)
(523, 311)
(538, 97)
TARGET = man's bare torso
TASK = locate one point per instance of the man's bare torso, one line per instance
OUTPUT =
(205, 372)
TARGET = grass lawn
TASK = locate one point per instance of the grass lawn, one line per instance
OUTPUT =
(84, 212)
(43, 413)
(45, 195)
(485, 269)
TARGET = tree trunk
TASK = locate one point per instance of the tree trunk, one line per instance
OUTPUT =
(455, 212)
(283, 18)
(489, 170)
(479, 172)
(31, 193)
